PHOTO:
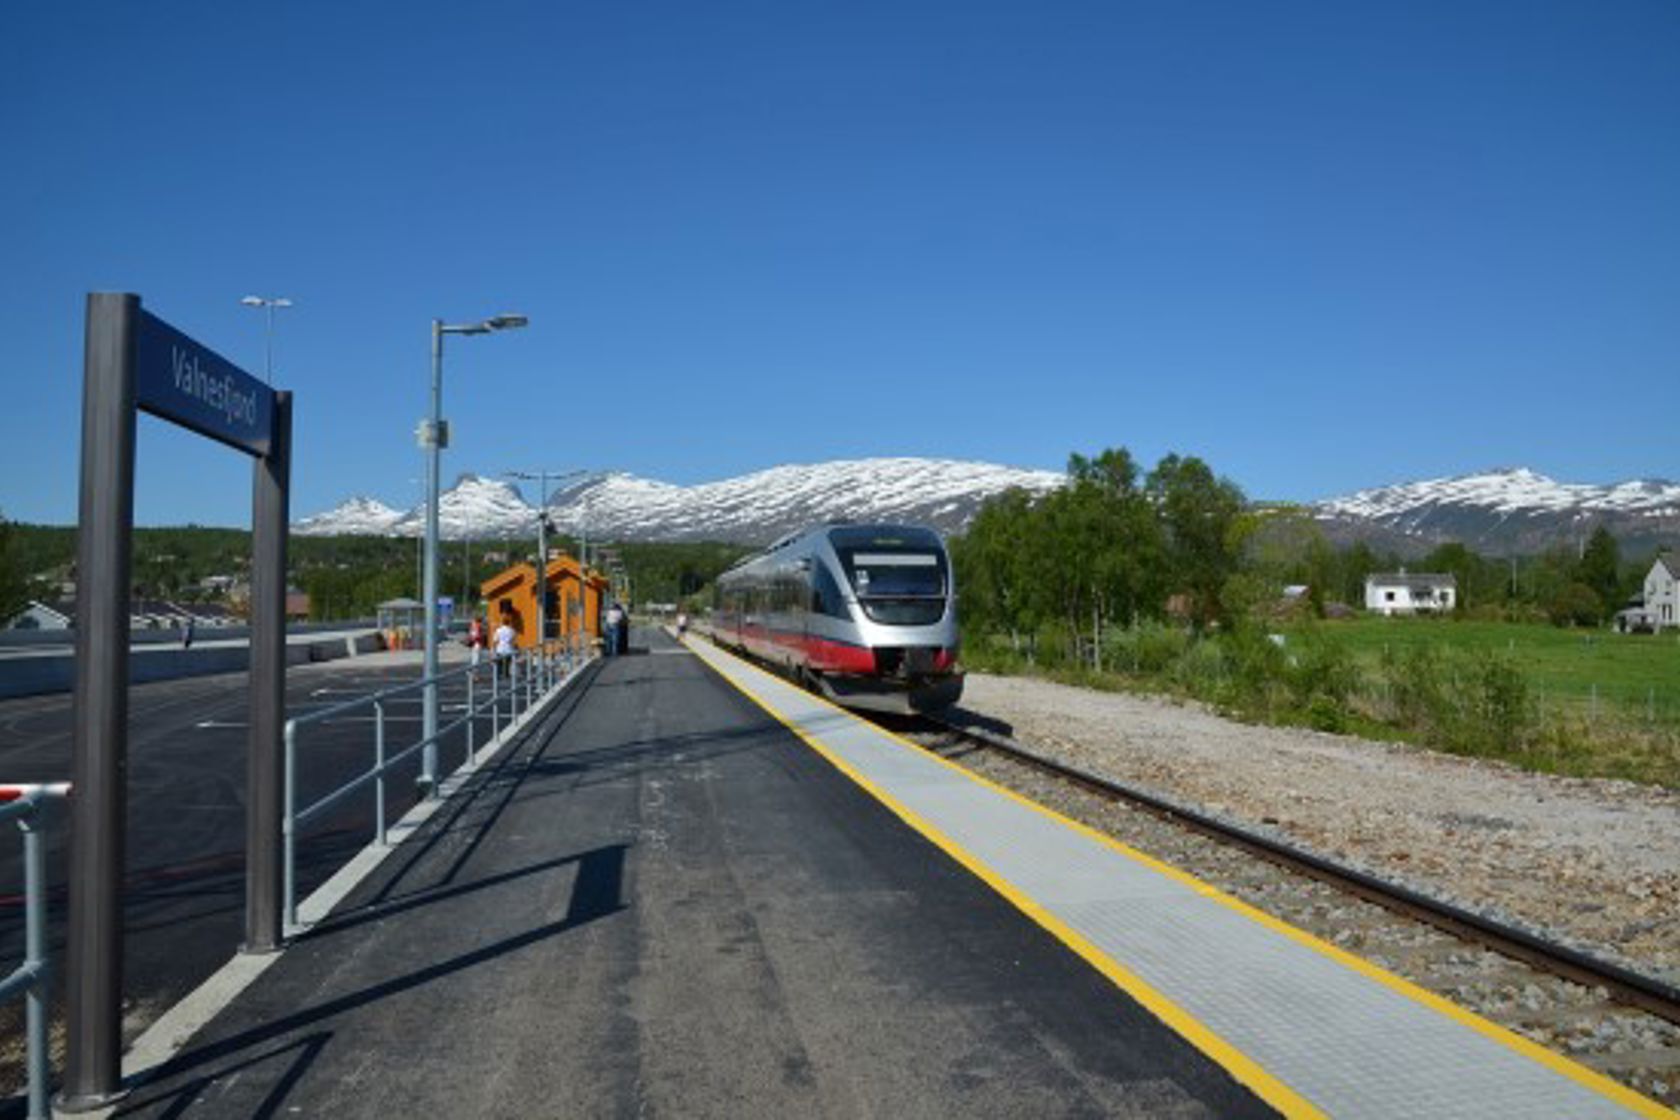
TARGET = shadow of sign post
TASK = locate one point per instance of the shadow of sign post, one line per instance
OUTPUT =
(136, 361)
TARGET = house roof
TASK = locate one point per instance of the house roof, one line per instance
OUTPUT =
(66, 611)
(1413, 579)
(1670, 565)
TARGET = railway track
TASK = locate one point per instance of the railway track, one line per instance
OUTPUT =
(1609, 1018)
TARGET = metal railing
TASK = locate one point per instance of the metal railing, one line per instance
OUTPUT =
(28, 805)
(517, 683)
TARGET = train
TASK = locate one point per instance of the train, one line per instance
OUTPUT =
(865, 615)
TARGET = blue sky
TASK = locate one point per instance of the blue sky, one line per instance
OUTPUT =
(1324, 246)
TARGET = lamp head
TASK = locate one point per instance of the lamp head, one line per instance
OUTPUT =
(506, 322)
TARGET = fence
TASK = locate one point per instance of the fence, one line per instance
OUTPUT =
(28, 805)
(516, 684)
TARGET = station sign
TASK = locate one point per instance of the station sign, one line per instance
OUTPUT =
(187, 383)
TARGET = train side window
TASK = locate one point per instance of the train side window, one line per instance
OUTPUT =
(825, 593)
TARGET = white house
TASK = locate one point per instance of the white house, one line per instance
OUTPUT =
(1410, 592)
(44, 616)
(1662, 592)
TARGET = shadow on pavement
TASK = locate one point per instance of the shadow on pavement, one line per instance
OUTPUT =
(596, 893)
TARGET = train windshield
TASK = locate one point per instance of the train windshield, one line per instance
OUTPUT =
(895, 573)
(899, 578)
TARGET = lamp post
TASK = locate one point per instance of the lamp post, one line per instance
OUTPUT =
(434, 436)
(269, 303)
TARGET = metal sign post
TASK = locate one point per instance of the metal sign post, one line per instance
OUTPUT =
(136, 361)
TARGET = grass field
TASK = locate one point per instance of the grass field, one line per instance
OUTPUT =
(1582, 703)
(1634, 676)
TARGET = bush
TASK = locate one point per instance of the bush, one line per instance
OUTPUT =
(1576, 605)
(1499, 703)
(1147, 649)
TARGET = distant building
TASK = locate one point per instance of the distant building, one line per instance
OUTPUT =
(44, 616)
(574, 600)
(297, 604)
(1405, 592)
(155, 614)
(1662, 592)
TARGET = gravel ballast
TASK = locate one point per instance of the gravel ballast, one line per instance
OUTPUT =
(1594, 863)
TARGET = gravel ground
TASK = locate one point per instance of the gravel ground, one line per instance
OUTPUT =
(1591, 862)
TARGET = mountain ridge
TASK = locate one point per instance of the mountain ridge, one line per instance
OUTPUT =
(1498, 511)
(750, 509)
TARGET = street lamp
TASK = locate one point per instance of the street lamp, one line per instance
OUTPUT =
(270, 303)
(434, 436)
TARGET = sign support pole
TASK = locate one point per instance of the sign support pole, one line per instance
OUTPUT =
(99, 753)
(265, 759)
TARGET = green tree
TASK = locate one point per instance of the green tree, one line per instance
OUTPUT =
(14, 581)
(1356, 564)
(1465, 566)
(1600, 568)
(993, 562)
(1204, 527)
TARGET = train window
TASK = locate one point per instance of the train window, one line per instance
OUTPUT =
(895, 573)
(826, 597)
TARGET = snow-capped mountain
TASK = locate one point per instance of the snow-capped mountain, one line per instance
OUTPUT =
(474, 507)
(1504, 511)
(354, 517)
(751, 509)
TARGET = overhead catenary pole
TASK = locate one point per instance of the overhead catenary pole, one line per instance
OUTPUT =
(541, 477)
(542, 559)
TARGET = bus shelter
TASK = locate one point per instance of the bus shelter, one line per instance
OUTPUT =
(402, 622)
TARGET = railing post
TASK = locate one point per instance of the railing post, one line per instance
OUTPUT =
(288, 828)
(472, 712)
(495, 699)
(35, 954)
(379, 768)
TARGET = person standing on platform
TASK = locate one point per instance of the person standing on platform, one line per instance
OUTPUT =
(475, 637)
(615, 626)
(504, 644)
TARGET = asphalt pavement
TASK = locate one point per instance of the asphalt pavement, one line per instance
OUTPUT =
(184, 887)
(661, 902)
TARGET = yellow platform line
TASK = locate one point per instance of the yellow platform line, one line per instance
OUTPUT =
(1245, 1069)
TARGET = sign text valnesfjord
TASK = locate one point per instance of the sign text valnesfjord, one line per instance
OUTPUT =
(180, 380)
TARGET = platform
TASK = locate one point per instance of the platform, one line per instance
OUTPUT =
(662, 902)
(1311, 1029)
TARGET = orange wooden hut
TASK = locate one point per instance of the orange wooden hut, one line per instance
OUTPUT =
(512, 595)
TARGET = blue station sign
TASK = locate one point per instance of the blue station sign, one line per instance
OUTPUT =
(190, 384)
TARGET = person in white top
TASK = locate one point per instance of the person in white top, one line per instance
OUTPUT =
(503, 640)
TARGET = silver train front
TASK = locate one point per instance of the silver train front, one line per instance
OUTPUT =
(864, 614)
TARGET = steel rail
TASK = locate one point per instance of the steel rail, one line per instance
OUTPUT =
(1647, 993)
